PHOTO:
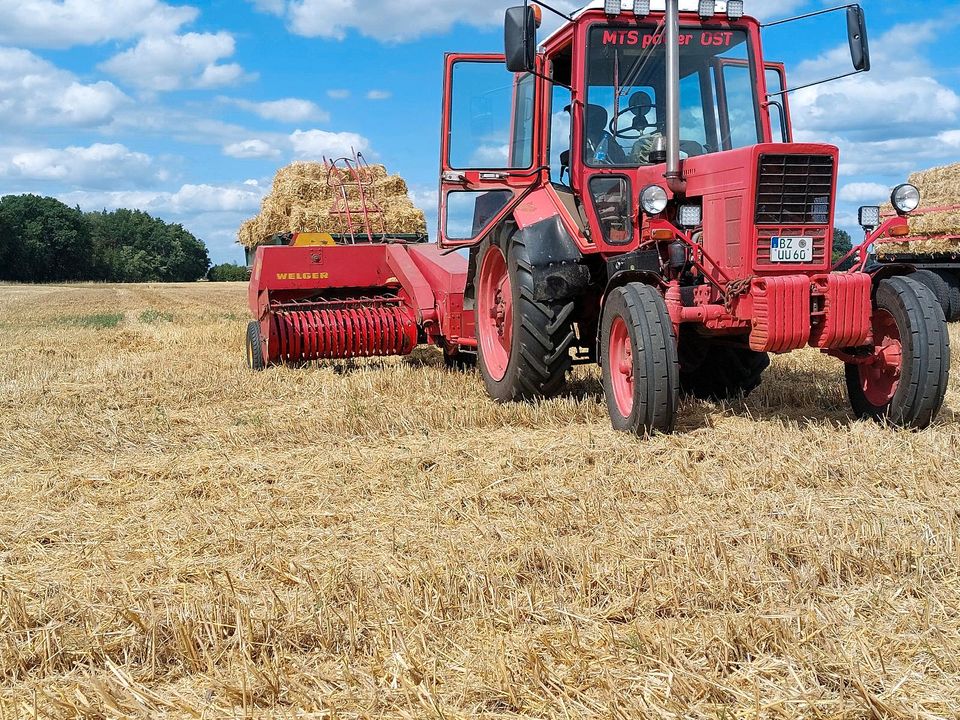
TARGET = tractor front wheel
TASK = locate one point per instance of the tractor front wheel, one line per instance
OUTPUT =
(524, 344)
(641, 370)
(904, 380)
(255, 347)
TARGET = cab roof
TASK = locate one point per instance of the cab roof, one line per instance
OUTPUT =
(627, 6)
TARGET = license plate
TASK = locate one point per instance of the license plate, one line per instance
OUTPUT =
(791, 250)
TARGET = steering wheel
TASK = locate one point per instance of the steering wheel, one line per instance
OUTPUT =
(635, 130)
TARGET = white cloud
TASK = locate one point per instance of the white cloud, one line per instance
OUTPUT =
(379, 95)
(97, 166)
(188, 200)
(250, 149)
(864, 192)
(390, 20)
(65, 23)
(291, 110)
(315, 144)
(172, 62)
(35, 92)
(338, 94)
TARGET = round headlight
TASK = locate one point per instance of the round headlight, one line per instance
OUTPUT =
(653, 200)
(905, 198)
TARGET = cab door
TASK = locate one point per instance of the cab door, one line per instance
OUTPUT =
(778, 105)
(491, 152)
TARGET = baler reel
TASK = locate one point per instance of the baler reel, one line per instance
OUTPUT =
(362, 327)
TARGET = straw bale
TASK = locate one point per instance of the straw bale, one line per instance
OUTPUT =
(939, 232)
(305, 198)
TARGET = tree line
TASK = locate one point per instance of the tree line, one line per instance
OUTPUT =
(43, 240)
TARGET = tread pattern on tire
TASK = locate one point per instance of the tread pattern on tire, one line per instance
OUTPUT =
(255, 347)
(952, 280)
(657, 375)
(926, 348)
(936, 284)
(542, 339)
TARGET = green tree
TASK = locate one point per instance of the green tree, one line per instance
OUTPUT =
(132, 246)
(43, 240)
(842, 244)
(228, 272)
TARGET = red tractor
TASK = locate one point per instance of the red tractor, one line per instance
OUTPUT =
(630, 195)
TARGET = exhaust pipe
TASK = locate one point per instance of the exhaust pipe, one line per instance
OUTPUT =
(673, 175)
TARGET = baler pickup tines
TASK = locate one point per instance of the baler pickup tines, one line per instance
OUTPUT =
(379, 326)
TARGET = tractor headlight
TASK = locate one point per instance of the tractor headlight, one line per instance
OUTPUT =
(905, 198)
(653, 199)
(708, 8)
(613, 7)
(735, 9)
(690, 216)
(870, 217)
(641, 8)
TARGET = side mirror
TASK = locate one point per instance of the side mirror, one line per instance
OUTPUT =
(520, 39)
(859, 44)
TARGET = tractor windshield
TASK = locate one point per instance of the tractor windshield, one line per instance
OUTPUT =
(625, 118)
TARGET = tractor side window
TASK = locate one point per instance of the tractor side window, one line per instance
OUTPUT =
(775, 85)
(468, 213)
(491, 118)
(614, 207)
(560, 135)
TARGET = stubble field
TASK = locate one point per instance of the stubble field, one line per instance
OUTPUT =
(182, 538)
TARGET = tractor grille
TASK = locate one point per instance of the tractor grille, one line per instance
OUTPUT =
(795, 190)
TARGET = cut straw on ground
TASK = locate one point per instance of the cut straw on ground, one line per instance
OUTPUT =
(182, 538)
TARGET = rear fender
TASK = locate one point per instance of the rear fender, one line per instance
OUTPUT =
(555, 260)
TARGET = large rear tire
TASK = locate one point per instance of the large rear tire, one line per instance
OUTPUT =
(905, 380)
(710, 370)
(952, 281)
(524, 344)
(641, 370)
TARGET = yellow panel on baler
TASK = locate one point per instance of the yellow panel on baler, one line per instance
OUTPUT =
(313, 240)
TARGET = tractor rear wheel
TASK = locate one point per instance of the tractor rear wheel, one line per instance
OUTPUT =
(952, 281)
(255, 347)
(937, 285)
(524, 344)
(904, 380)
(713, 371)
(641, 370)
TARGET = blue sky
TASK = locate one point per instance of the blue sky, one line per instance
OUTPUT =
(187, 110)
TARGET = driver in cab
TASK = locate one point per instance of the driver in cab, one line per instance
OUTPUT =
(603, 134)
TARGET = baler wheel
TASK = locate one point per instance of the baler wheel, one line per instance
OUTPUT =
(255, 347)
(641, 368)
(524, 344)
(937, 285)
(952, 281)
(904, 380)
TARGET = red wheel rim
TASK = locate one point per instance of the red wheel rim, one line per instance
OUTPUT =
(880, 376)
(620, 366)
(495, 313)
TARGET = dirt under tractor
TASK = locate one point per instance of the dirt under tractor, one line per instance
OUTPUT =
(626, 192)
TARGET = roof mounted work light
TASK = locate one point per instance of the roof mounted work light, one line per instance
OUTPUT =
(641, 8)
(735, 9)
(612, 7)
(708, 8)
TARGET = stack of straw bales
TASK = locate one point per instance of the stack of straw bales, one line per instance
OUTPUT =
(939, 187)
(304, 198)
